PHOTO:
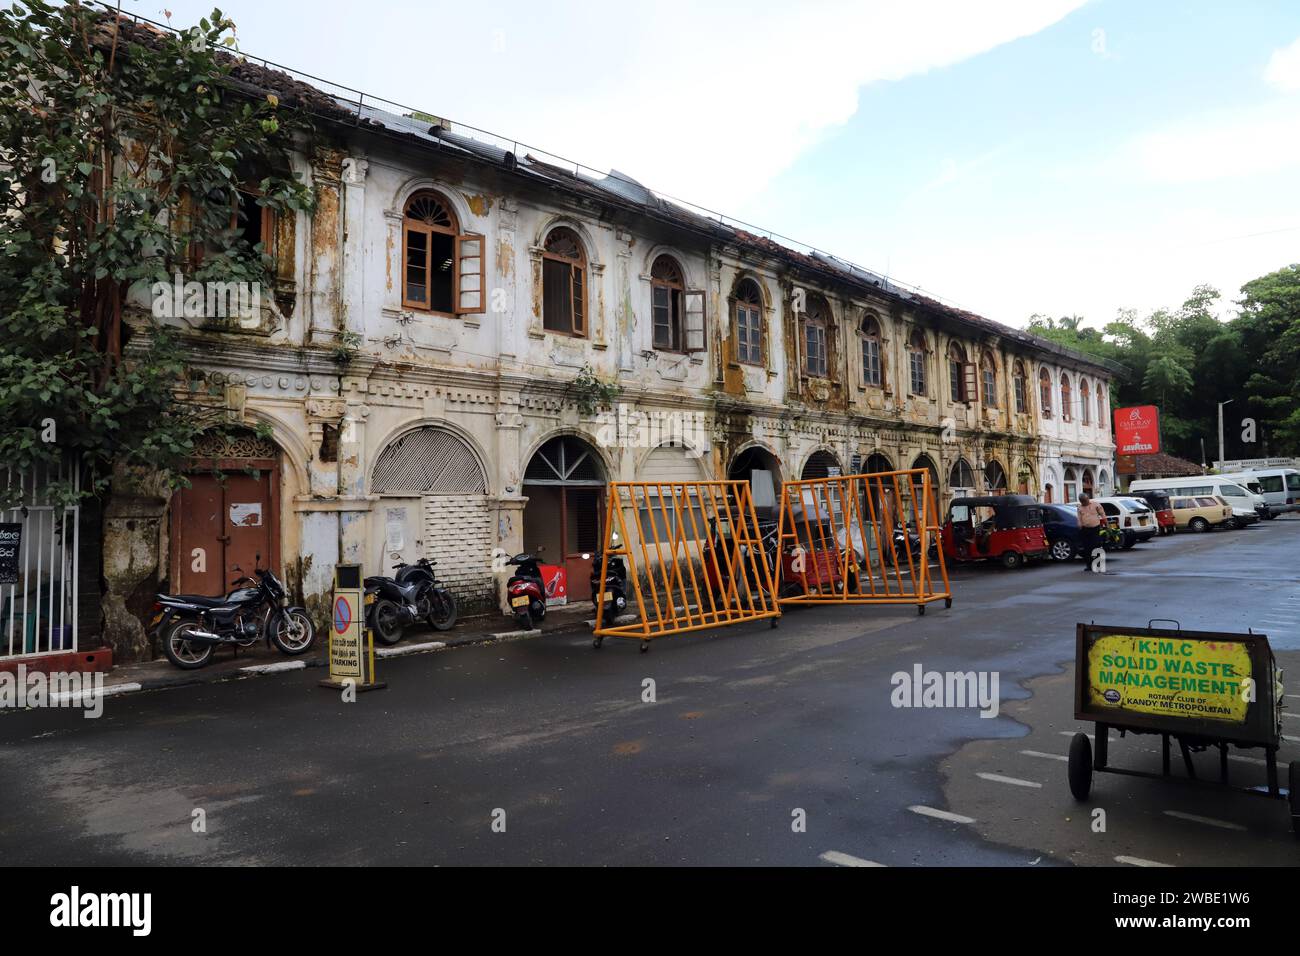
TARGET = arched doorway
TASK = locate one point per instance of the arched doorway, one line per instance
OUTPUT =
(926, 462)
(1025, 478)
(229, 515)
(961, 479)
(762, 470)
(820, 464)
(1071, 485)
(1089, 485)
(565, 485)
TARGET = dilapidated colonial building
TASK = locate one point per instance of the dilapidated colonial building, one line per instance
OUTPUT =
(433, 372)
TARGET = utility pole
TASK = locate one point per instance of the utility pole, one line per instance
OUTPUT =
(1221, 457)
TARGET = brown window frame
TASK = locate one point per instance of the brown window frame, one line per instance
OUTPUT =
(916, 350)
(1019, 388)
(957, 373)
(752, 308)
(988, 381)
(1045, 391)
(1085, 398)
(871, 335)
(1067, 395)
(817, 322)
(576, 278)
(466, 263)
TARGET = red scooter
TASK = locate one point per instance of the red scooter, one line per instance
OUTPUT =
(525, 592)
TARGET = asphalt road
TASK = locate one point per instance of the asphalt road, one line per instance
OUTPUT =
(751, 730)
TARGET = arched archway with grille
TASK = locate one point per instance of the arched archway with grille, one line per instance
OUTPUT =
(434, 503)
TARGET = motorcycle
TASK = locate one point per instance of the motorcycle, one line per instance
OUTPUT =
(392, 606)
(192, 626)
(525, 591)
(441, 602)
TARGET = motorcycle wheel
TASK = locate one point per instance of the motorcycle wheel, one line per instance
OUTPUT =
(442, 615)
(185, 654)
(383, 620)
(524, 620)
(294, 634)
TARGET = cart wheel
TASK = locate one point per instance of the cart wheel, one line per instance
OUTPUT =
(645, 646)
(1080, 766)
(776, 622)
(920, 610)
(1293, 783)
(597, 642)
(947, 602)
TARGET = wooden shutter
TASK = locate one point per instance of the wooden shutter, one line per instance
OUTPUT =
(470, 294)
(694, 328)
(970, 382)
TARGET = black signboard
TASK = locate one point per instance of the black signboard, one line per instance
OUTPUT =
(11, 536)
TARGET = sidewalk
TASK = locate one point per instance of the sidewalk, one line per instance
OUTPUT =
(260, 659)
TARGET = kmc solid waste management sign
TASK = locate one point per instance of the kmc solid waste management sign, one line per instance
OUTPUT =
(1176, 681)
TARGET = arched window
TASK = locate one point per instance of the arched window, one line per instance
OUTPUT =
(1020, 387)
(442, 269)
(1045, 392)
(819, 465)
(1067, 397)
(989, 378)
(960, 476)
(1102, 421)
(816, 326)
(916, 363)
(1089, 485)
(749, 323)
(995, 478)
(872, 374)
(564, 283)
(1085, 402)
(957, 373)
(1071, 486)
(667, 289)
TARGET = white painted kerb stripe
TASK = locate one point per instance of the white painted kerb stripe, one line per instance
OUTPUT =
(1138, 861)
(274, 668)
(1208, 821)
(1014, 781)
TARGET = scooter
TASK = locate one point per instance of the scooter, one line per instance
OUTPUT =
(615, 587)
(525, 592)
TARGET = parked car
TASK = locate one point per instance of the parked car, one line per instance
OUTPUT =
(1159, 502)
(1133, 516)
(1279, 487)
(1247, 508)
(1064, 536)
(1005, 528)
(1200, 513)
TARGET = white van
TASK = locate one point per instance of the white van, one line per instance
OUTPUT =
(1279, 487)
(1247, 508)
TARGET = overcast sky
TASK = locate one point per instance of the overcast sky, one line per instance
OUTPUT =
(1010, 157)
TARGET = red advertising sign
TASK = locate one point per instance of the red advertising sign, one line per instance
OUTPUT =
(1137, 430)
(555, 582)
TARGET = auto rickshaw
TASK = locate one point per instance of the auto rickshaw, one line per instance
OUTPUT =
(1004, 528)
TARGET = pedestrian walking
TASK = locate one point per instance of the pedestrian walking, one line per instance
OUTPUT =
(1091, 517)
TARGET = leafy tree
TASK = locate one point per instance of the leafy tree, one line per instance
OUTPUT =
(1269, 329)
(121, 153)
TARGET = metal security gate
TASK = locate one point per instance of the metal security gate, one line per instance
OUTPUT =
(861, 539)
(39, 542)
(699, 549)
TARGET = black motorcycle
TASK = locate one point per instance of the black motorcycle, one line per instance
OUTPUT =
(192, 626)
(437, 600)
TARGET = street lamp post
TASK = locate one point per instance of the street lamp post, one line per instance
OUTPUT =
(1221, 458)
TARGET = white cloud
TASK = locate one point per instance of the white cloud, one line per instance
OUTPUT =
(1283, 70)
(706, 102)
(1221, 145)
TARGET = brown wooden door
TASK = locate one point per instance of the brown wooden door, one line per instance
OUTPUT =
(231, 519)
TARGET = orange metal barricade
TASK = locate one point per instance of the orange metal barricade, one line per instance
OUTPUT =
(694, 557)
(861, 539)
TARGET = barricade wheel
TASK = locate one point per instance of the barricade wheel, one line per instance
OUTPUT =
(920, 610)
(597, 642)
(645, 646)
(947, 602)
(1080, 766)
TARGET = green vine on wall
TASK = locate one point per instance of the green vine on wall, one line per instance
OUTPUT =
(590, 394)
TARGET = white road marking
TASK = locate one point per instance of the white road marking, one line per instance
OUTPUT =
(1039, 753)
(1292, 716)
(273, 668)
(1245, 759)
(1208, 821)
(86, 696)
(1294, 740)
(409, 649)
(940, 814)
(1138, 861)
(843, 859)
(1014, 781)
